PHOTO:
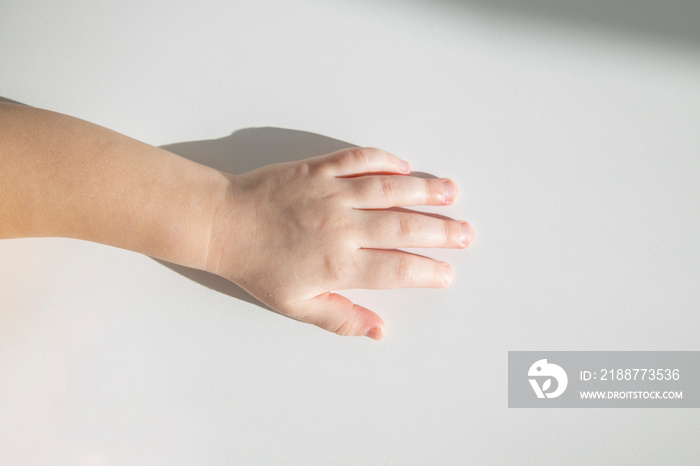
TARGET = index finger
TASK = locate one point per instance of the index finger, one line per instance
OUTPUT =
(359, 161)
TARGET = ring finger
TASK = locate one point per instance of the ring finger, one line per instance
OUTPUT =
(378, 269)
(392, 230)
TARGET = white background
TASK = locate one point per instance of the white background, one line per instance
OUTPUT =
(572, 132)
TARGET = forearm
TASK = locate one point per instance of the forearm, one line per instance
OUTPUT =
(288, 233)
(62, 176)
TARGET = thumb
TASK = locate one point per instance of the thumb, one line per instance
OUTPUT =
(338, 314)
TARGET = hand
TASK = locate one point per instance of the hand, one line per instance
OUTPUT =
(286, 233)
(289, 233)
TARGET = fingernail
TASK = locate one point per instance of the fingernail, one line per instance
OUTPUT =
(375, 333)
(449, 273)
(449, 190)
(405, 167)
(467, 234)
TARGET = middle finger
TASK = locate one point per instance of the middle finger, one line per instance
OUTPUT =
(384, 191)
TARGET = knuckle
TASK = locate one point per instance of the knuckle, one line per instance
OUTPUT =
(447, 230)
(408, 227)
(359, 154)
(336, 268)
(434, 189)
(301, 170)
(345, 327)
(405, 270)
(389, 186)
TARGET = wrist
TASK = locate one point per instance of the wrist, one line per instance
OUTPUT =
(190, 237)
(232, 232)
(222, 199)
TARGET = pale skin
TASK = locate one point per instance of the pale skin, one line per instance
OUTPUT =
(290, 234)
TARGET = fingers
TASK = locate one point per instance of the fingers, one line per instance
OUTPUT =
(392, 230)
(338, 314)
(379, 269)
(360, 160)
(384, 191)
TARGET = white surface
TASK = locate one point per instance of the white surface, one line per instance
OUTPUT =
(575, 145)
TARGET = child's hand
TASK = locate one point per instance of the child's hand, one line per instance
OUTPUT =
(289, 233)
